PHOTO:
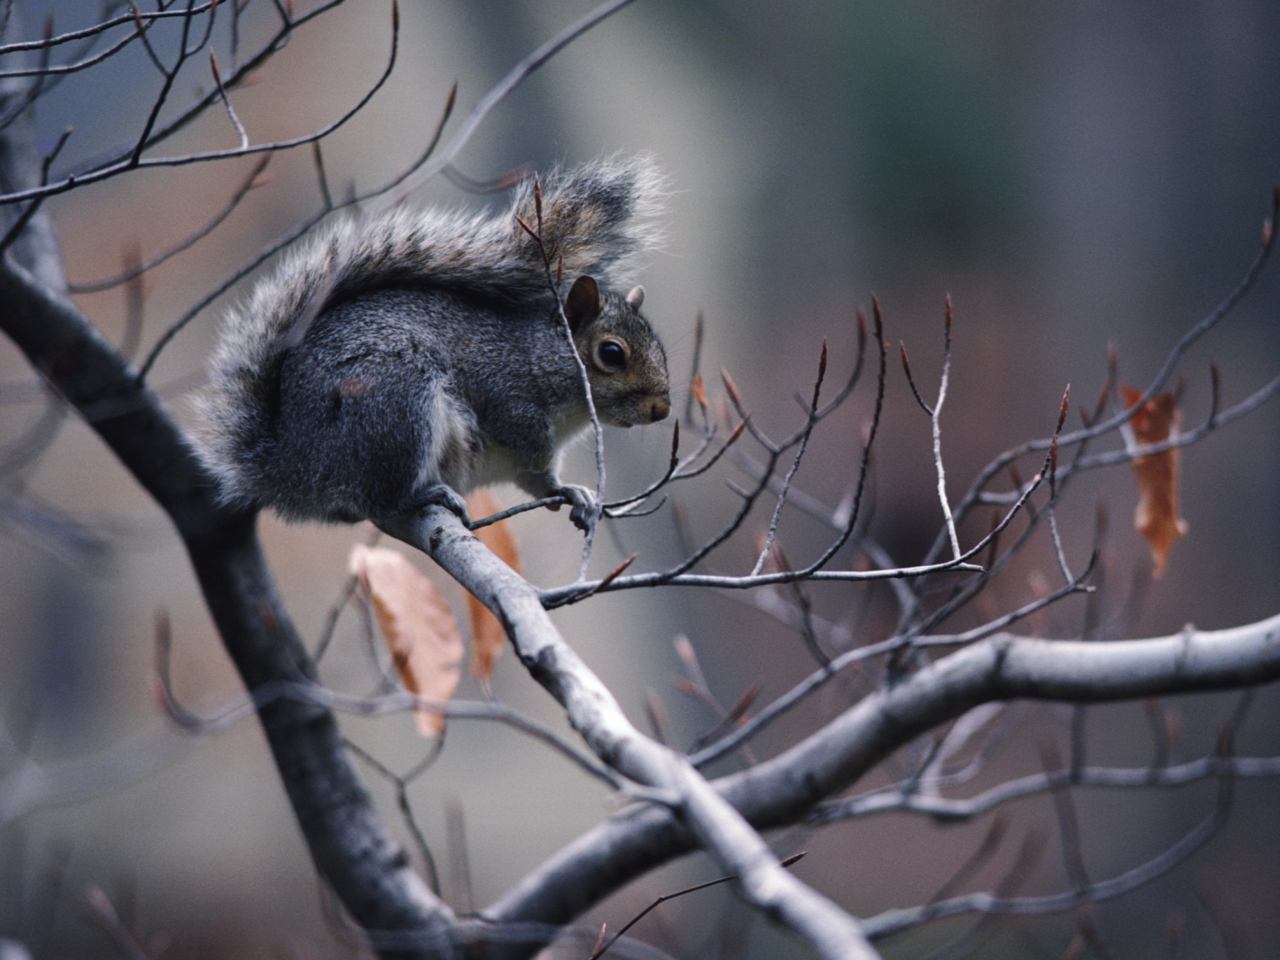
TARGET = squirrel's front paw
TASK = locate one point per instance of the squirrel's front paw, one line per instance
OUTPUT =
(585, 507)
(443, 495)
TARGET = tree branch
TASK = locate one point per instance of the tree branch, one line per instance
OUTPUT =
(783, 789)
(592, 711)
(348, 841)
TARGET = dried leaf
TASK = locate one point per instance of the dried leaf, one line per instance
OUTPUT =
(487, 635)
(1157, 517)
(418, 625)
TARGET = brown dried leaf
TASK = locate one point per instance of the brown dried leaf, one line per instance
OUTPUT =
(1157, 517)
(487, 635)
(419, 627)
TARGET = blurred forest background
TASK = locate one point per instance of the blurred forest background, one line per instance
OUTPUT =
(1074, 175)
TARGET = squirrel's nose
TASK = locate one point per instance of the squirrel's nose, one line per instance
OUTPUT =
(658, 409)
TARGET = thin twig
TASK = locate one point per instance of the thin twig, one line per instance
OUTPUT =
(396, 701)
(895, 921)
(597, 431)
(935, 423)
(795, 463)
(401, 784)
(891, 645)
(600, 950)
(222, 92)
(101, 27)
(129, 163)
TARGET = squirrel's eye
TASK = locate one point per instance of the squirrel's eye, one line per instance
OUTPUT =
(611, 354)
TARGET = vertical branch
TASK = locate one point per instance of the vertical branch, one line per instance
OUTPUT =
(553, 281)
(810, 423)
(936, 425)
(1063, 567)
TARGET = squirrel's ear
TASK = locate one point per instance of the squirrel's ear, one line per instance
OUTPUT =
(582, 305)
(635, 298)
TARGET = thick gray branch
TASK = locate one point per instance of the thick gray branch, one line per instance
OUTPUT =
(596, 715)
(783, 789)
(351, 847)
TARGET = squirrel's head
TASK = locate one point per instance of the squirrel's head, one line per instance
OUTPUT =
(624, 358)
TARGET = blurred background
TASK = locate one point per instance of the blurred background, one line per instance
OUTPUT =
(1077, 177)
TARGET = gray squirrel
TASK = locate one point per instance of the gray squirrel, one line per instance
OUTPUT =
(393, 364)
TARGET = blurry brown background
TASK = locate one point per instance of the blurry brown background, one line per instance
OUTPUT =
(1074, 175)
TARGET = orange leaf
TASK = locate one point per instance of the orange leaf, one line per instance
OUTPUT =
(1157, 517)
(487, 635)
(418, 625)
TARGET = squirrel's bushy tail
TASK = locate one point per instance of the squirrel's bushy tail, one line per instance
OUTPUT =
(596, 219)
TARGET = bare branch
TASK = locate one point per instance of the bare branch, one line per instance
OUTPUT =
(894, 921)
(347, 839)
(99, 28)
(935, 412)
(593, 712)
(783, 788)
(1134, 778)
(222, 92)
(135, 161)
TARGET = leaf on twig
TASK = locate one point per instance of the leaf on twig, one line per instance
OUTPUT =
(1157, 517)
(418, 625)
(487, 635)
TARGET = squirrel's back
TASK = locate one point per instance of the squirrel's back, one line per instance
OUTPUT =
(595, 221)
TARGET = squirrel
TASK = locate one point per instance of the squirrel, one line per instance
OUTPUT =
(394, 364)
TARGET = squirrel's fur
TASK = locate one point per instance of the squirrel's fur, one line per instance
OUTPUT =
(386, 358)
